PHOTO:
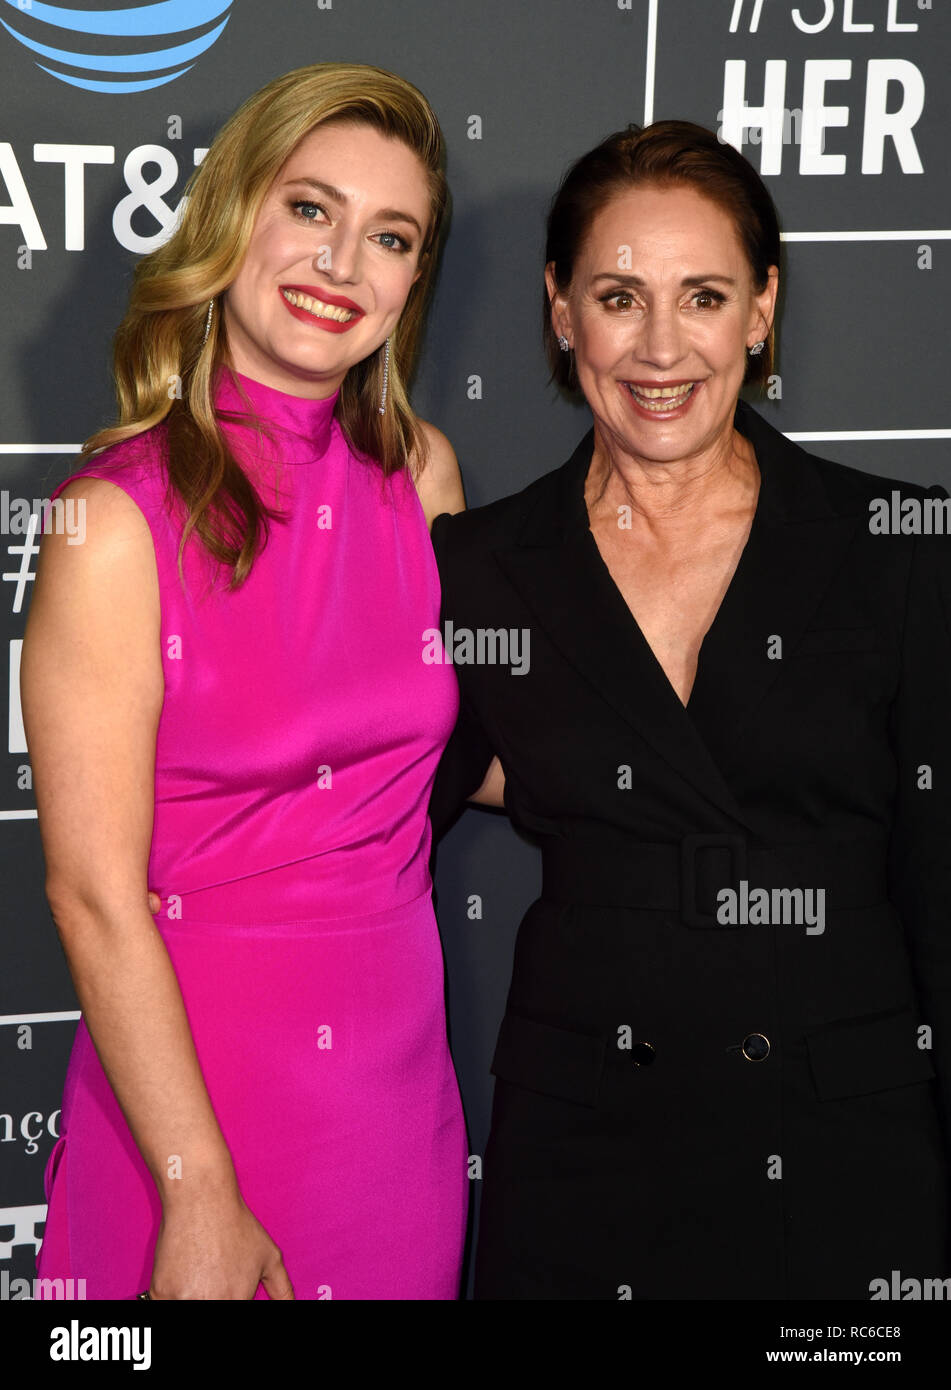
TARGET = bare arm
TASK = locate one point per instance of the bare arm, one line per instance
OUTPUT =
(493, 787)
(92, 692)
(439, 482)
(440, 490)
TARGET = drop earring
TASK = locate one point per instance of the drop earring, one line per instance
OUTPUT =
(564, 344)
(211, 307)
(386, 376)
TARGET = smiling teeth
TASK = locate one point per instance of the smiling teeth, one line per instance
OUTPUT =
(317, 307)
(660, 398)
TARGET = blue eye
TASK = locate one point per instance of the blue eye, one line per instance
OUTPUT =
(303, 203)
(396, 243)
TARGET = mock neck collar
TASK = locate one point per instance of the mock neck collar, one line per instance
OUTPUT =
(303, 425)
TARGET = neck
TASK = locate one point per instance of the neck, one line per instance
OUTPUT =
(259, 367)
(723, 475)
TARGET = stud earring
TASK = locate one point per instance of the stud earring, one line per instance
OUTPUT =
(211, 306)
(386, 376)
(757, 348)
(564, 344)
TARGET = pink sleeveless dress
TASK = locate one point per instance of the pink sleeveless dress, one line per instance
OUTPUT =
(296, 749)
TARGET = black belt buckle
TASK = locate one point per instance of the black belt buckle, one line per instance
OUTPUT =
(689, 845)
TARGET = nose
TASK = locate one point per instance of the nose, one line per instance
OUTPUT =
(661, 341)
(340, 257)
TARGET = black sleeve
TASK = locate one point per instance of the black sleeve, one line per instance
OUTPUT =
(468, 753)
(920, 852)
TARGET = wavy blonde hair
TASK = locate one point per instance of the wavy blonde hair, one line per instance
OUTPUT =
(160, 337)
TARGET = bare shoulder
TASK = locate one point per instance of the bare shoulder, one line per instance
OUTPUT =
(116, 516)
(102, 543)
(437, 476)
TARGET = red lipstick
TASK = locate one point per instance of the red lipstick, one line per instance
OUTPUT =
(337, 300)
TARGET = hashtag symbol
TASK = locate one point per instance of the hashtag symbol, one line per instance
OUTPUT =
(25, 572)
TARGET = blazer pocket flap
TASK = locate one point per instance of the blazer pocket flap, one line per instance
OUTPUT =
(856, 1056)
(556, 1061)
(837, 639)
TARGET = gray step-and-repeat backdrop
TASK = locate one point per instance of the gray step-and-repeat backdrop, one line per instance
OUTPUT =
(106, 107)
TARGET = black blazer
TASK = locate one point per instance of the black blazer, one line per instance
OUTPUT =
(685, 1106)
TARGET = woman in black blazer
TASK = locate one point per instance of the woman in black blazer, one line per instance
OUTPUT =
(724, 1070)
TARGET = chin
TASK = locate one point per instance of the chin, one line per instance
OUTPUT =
(661, 450)
(317, 360)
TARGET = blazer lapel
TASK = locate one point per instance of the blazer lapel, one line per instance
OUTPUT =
(557, 569)
(797, 544)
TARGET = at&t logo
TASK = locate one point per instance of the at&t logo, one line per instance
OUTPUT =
(60, 36)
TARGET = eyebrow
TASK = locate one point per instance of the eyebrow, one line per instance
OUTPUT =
(328, 190)
(684, 284)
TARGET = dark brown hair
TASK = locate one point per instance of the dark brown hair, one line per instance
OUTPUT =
(664, 154)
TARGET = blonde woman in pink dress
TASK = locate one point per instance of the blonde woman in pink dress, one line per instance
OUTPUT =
(226, 704)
